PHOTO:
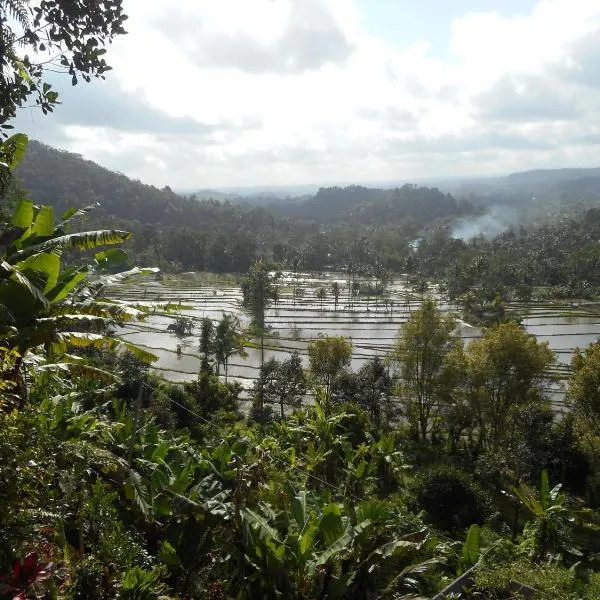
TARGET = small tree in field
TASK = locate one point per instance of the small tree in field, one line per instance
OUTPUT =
(336, 290)
(327, 357)
(259, 290)
(282, 382)
(228, 340)
(428, 358)
(322, 294)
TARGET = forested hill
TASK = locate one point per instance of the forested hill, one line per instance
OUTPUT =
(179, 233)
(66, 180)
(371, 205)
(549, 176)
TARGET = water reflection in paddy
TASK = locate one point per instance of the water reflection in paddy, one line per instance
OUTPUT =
(372, 324)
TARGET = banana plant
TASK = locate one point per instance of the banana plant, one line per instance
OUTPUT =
(43, 305)
(319, 439)
(316, 549)
(547, 532)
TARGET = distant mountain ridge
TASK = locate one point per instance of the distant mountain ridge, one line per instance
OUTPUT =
(64, 180)
(355, 203)
(553, 175)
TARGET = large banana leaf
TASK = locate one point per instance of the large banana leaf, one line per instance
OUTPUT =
(66, 284)
(43, 226)
(116, 311)
(62, 340)
(23, 214)
(118, 277)
(80, 370)
(87, 240)
(47, 264)
(74, 213)
(8, 295)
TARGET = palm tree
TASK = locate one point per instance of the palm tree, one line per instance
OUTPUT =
(207, 334)
(322, 294)
(336, 290)
(258, 289)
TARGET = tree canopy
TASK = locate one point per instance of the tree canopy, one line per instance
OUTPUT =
(52, 34)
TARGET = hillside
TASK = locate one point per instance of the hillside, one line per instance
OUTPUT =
(170, 231)
(359, 204)
(63, 180)
(549, 176)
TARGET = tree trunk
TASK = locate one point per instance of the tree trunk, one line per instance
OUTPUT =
(262, 362)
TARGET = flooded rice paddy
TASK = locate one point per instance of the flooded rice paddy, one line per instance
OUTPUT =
(372, 323)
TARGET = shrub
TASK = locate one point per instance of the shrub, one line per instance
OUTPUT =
(551, 582)
(450, 498)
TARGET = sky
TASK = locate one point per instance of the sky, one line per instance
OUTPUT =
(225, 93)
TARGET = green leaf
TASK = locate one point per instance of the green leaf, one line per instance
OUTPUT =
(338, 545)
(23, 281)
(14, 149)
(88, 240)
(118, 277)
(471, 549)
(264, 527)
(66, 285)
(23, 215)
(168, 555)
(306, 540)
(299, 508)
(80, 370)
(94, 340)
(331, 525)
(47, 263)
(112, 257)
(72, 213)
(109, 310)
(43, 225)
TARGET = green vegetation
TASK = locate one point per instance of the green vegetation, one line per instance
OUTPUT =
(385, 481)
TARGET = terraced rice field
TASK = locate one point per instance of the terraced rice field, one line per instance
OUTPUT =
(371, 323)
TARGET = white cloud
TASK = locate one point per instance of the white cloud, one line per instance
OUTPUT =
(289, 91)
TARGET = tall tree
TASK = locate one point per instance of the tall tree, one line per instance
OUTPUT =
(322, 294)
(507, 369)
(228, 340)
(52, 35)
(425, 355)
(583, 397)
(336, 290)
(282, 382)
(207, 341)
(327, 356)
(258, 291)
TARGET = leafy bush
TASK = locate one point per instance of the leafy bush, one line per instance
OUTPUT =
(552, 582)
(450, 498)
(105, 534)
(260, 414)
(138, 584)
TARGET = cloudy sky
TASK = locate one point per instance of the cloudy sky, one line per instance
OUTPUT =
(223, 93)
